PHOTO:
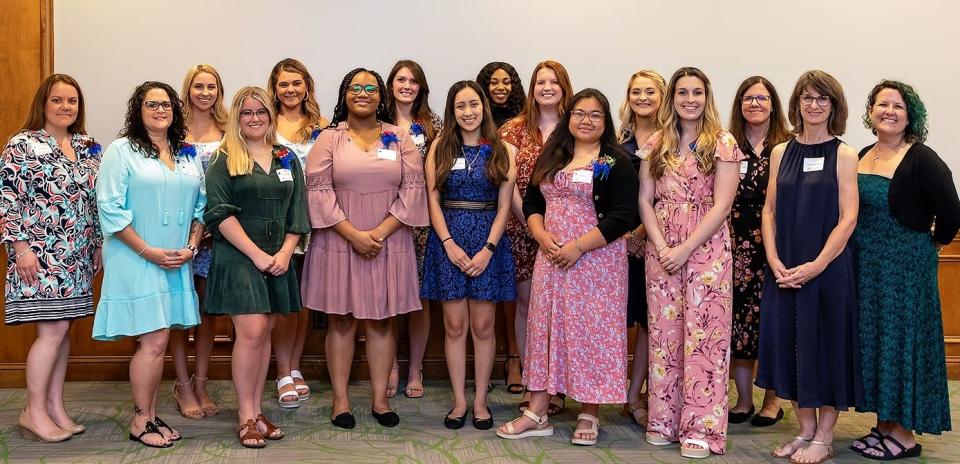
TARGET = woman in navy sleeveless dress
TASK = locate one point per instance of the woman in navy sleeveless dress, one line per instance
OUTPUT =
(808, 311)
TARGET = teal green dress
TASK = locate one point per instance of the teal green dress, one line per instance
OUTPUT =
(901, 329)
(268, 205)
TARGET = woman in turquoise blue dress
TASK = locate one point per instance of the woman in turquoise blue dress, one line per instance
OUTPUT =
(151, 201)
(905, 188)
(467, 263)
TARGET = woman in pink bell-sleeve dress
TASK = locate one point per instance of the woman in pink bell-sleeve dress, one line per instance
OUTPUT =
(365, 190)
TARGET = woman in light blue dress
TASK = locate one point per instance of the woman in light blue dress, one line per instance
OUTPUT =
(150, 198)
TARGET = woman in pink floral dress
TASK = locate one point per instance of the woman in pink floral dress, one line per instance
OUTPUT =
(689, 177)
(580, 202)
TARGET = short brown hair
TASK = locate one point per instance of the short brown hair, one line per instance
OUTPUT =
(825, 84)
(36, 118)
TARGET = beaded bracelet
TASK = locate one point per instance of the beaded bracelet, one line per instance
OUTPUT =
(28, 249)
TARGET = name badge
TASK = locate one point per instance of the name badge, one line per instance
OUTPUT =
(583, 177)
(284, 175)
(744, 165)
(812, 164)
(41, 149)
(190, 169)
(459, 164)
(419, 139)
(386, 154)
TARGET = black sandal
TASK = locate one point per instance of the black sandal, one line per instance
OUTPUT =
(163, 425)
(515, 388)
(874, 433)
(149, 427)
(890, 455)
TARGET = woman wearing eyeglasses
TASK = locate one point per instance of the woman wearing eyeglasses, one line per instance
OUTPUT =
(256, 213)
(365, 190)
(688, 179)
(758, 125)
(808, 311)
(150, 200)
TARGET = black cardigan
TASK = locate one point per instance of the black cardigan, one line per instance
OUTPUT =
(922, 192)
(614, 198)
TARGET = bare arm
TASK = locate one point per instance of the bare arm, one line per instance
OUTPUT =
(516, 200)
(648, 215)
(505, 194)
(231, 230)
(455, 254)
(768, 226)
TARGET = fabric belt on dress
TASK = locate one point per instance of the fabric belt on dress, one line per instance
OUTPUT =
(461, 204)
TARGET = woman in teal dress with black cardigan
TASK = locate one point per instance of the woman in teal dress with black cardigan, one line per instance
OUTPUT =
(256, 213)
(904, 189)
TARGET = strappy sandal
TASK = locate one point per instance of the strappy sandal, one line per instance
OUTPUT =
(251, 434)
(415, 391)
(874, 433)
(514, 388)
(541, 428)
(806, 441)
(303, 390)
(524, 404)
(889, 455)
(188, 413)
(175, 436)
(830, 453)
(631, 410)
(393, 381)
(594, 430)
(699, 450)
(657, 439)
(273, 432)
(288, 399)
(556, 406)
(149, 428)
(206, 404)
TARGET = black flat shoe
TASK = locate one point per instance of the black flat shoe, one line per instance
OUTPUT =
(344, 420)
(483, 424)
(453, 423)
(764, 421)
(386, 419)
(739, 417)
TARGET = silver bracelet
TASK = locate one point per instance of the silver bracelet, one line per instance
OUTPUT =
(18, 255)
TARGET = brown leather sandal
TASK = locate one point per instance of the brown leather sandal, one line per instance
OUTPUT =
(251, 434)
(273, 432)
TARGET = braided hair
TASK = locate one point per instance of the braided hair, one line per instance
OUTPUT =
(340, 110)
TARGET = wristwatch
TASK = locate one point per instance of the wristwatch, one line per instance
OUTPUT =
(490, 247)
(193, 249)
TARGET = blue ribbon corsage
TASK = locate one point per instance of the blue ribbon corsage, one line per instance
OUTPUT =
(387, 138)
(92, 147)
(485, 149)
(417, 129)
(314, 134)
(284, 156)
(602, 165)
(187, 149)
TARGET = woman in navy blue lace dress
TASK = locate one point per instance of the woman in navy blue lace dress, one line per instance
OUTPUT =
(468, 264)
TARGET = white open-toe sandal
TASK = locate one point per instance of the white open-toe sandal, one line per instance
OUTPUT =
(541, 429)
(696, 453)
(288, 399)
(594, 429)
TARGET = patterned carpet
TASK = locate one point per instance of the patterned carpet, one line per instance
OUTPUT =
(104, 408)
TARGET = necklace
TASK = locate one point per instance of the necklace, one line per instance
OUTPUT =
(896, 151)
(470, 162)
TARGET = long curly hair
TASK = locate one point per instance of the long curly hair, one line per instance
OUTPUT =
(340, 110)
(309, 106)
(558, 150)
(136, 132)
(777, 133)
(916, 130)
(708, 128)
(450, 140)
(517, 97)
(628, 119)
(421, 111)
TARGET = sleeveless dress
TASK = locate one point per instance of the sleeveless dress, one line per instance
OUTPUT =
(808, 336)
(576, 338)
(636, 282)
(469, 228)
(901, 326)
(201, 263)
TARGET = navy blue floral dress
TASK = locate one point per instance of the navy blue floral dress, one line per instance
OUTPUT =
(469, 228)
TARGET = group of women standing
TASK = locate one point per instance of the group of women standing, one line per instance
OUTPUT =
(714, 243)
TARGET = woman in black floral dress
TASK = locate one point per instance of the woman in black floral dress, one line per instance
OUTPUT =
(758, 124)
(52, 239)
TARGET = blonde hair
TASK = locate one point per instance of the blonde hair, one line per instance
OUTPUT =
(218, 111)
(708, 128)
(309, 106)
(628, 119)
(234, 146)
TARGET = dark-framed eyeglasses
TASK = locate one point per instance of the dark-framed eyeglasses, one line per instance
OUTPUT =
(154, 105)
(822, 100)
(370, 89)
(594, 116)
(758, 99)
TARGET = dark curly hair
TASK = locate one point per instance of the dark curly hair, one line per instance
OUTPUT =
(340, 111)
(136, 132)
(517, 95)
(916, 130)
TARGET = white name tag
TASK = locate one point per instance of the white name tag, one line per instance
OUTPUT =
(459, 163)
(190, 169)
(583, 177)
(284, 175)
(744, 165)
(386, 154)
(42, 149)
(812, 164)
(419, 139)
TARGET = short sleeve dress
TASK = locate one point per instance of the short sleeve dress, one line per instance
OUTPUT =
(49, 202)
(268, 205)
(363, 187)
(419, 137)
(138, 296)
